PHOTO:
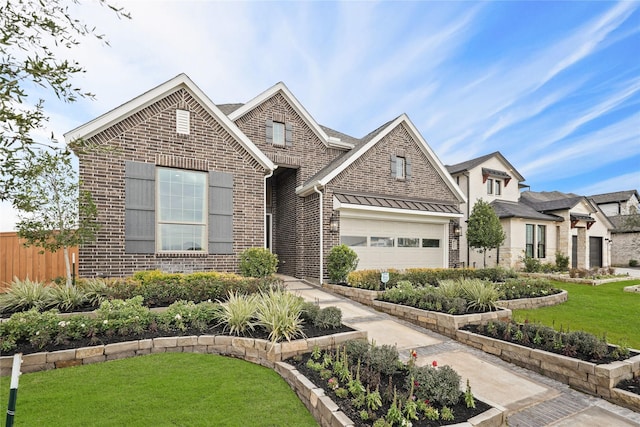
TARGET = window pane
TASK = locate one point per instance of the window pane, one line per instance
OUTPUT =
(182, 209)
(529, 241)
(382, 242)
(354, 240)
(408, 242)
(489, 186)
(542, 239)
(400, 167)
(498, 188)
(278, 133)
(430, 243)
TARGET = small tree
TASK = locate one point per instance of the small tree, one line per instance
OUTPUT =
(484, 230)
(53, 213)
(341, 261)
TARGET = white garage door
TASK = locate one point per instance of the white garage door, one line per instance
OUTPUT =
(384, 243)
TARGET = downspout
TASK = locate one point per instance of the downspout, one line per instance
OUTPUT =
(264, 192)
(468, 175)
(315, 188)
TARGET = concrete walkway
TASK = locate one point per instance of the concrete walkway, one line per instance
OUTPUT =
(529, 398)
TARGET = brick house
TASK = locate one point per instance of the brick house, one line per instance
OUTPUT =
(536, 224)
(183, 184)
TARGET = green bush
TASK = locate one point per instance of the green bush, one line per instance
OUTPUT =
(279, 313)
(480, 296)
(370, 279)
(532, 265)
(237, 314)
(633, 263)
(437, 384)
(384, 359)
(526, 288)
(328, 318)
(562, 261)
(341, 261)
(24, 295)
(66, 298)
(258, 262)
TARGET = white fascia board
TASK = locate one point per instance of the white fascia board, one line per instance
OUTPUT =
(148, 98)
(442, 171)
(281, 87)
(351, 210)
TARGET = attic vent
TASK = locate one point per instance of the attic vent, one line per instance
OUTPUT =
(183, 122)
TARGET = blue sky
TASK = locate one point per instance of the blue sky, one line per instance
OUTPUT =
(554, 86)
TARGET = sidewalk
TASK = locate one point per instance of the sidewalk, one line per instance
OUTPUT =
(530, 399)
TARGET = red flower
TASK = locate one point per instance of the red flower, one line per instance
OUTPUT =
(426, 401)
(434, 364)
(416, 384)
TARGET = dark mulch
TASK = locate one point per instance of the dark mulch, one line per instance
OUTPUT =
(632, 385)
(25, 348)
(461, 412)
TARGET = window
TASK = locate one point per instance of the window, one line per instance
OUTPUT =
(278, 133)
(401, 163)
(529, 241)
(408, 242)
(382, 242)
(354, 240)
(542, 239)
(498, 187)
(182, 210)
(489, 186)
(430, 243)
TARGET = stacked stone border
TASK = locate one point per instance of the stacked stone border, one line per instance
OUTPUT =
(262, 352)
(443, 323)
(528, 303)
(597, 380)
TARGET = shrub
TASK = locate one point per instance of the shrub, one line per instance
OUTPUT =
(449, 289)
(532, 265)
(341, 261)
(525, 288)
(258, 262)
(370, 279)
(24, 295)
(32, 326)
(562, 261)
(328, 318)
(279, 311)
(441, 384)
(95, 291)
(384, 359)
(66, 298)
(309, 312)
(633, 263)
(123, 317)
(480, 296)
(238, 312)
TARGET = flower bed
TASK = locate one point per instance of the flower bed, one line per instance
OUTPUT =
(369, 386)
(627, 393)
(592, 378)
(443, 323)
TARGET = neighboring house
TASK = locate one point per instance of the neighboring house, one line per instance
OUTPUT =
(183, 184)
(623, 210)
(535, 224)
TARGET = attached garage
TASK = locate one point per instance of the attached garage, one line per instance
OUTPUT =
(387, 237)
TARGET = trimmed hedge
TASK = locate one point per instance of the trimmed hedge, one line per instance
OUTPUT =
(370, 279)
(162, 289)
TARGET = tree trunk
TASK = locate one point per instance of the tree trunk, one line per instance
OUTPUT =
(484, 254)
(67, 265)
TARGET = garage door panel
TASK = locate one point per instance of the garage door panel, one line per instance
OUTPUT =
(394, 257)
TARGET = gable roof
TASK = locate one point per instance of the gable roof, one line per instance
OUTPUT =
(333, 169)
(509, 209)
(470, 164)
(546, 201)
(329, 140)
(617, 196)
(181, 81)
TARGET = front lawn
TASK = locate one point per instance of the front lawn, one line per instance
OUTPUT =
(169, 389)
(601, 310)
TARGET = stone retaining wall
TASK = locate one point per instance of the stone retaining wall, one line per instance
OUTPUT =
(598, 380)
(258, 351)
(443, 323)
(527, 303)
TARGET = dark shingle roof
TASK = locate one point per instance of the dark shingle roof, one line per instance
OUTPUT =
(617, 196)
(470, 164)
(508, 209)
(364, 199)
(550, 200)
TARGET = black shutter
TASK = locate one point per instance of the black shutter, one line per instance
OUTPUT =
(140, 201)
(269, 131)
(220, 213)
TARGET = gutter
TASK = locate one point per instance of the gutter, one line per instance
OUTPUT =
(264, 193)
(315, 188)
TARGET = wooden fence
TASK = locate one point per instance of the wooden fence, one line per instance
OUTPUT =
(19, 261)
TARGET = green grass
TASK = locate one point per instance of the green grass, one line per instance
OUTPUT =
(170, 389)
(604, 310)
